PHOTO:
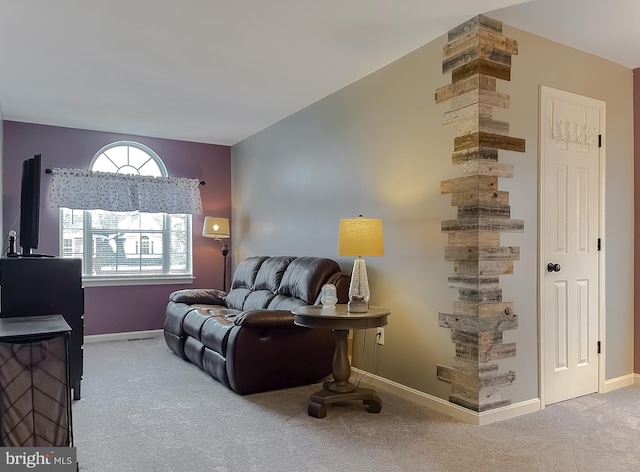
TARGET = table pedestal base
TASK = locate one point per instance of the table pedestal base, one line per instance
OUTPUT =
(341, 320)
(320, 400)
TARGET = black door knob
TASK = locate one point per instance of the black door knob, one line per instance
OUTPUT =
(551, 267)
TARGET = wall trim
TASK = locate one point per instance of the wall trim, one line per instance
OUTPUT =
(619, 382)
(126, 336)
(448, 408)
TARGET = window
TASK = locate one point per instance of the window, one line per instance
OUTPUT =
(127, 247)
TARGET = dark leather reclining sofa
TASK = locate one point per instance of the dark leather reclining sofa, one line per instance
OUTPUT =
(246, 338)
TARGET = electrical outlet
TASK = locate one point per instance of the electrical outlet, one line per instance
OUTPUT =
(380, 336)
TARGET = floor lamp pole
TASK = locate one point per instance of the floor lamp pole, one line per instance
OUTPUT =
(225, 252)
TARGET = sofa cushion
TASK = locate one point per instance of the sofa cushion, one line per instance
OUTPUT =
(245, 274)
(280, 302)
(219, 311)
(258, 299)
(193, 350)
(270, 274)
(236, 297)
(192, 324)
(215, 332)
(305, 276)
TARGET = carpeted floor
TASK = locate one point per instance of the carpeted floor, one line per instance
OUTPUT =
(144, 409)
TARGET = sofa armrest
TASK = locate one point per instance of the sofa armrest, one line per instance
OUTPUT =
(261, 319)
(207, 296)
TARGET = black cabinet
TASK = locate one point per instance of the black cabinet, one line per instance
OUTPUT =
(47, 286)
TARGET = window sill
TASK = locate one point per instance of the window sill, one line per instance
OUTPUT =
(123, 281)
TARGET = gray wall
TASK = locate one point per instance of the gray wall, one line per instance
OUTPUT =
(377, 147)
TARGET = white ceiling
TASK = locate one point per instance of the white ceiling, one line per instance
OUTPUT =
(218, 71)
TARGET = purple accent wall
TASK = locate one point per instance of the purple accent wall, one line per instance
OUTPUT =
(636, 179)
(121, 308)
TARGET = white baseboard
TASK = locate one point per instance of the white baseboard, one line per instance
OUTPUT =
(98, 338)
(443, 406)
(619, 382)
(637, 379)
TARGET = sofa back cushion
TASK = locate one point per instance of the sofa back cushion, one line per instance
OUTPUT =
(258, 299)
(245, 274)
(270, 273)
(281, 282)
(305, 277)
(244, 278)
(236, 297)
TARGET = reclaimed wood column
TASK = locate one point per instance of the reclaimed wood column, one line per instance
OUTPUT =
(477, 55)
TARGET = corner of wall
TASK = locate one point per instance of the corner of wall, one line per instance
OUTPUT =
(636, 244)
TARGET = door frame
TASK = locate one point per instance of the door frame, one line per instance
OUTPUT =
(544, 92)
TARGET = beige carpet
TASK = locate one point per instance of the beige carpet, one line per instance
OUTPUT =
(144, 409)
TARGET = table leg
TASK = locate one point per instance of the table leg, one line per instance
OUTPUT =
(340, 389)
(341, 365)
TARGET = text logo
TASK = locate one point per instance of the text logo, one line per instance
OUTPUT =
(45, 459)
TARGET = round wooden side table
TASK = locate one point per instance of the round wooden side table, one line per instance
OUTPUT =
(340, 320)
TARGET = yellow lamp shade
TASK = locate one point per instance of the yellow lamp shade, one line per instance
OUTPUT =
(360, 237)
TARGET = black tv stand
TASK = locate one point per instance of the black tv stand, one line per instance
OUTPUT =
(35, 286)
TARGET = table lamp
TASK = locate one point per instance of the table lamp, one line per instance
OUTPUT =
(218, 228)
(360, 237)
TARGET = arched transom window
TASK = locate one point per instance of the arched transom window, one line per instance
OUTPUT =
(128, 158)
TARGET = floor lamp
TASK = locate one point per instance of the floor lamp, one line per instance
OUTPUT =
(218, 229)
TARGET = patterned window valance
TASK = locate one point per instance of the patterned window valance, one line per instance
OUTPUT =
(79, 189)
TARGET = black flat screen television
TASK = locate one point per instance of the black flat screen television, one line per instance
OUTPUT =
(30, 205)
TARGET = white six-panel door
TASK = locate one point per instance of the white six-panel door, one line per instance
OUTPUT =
(570, 222)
